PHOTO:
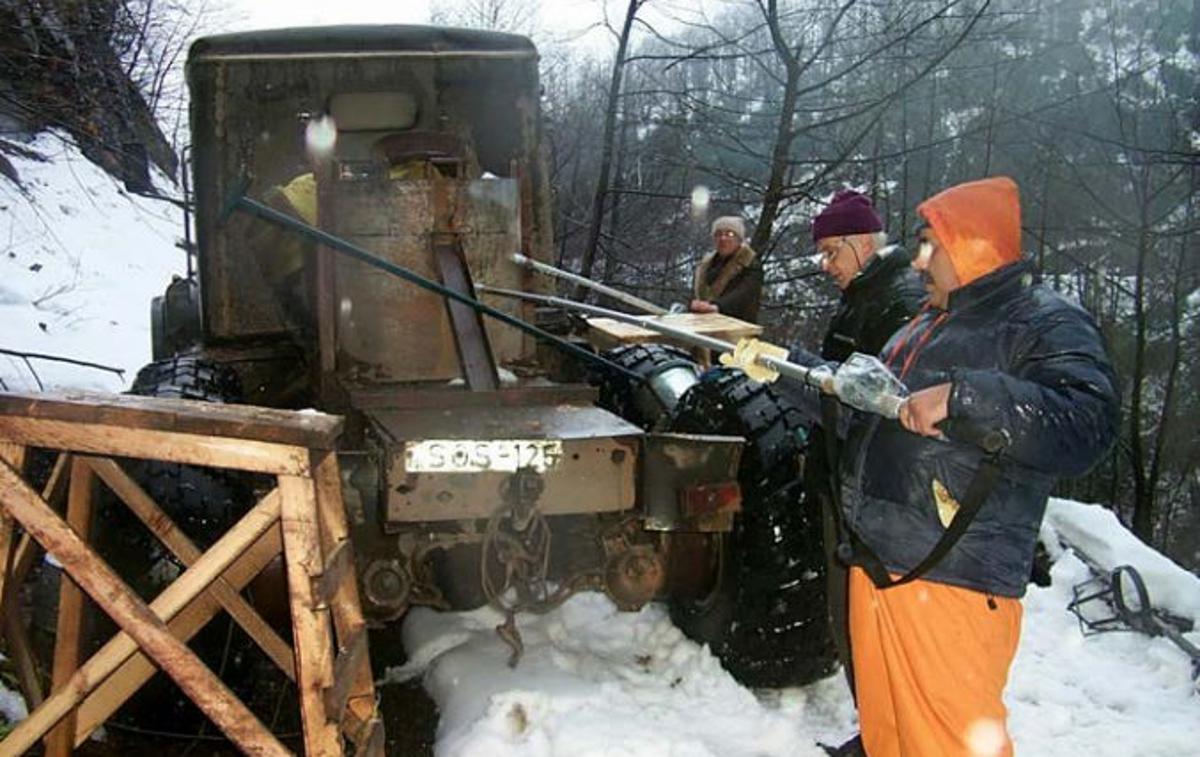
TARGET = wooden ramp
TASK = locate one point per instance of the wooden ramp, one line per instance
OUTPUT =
(302, 518)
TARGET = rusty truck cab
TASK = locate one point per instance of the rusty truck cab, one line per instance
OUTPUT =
(421, 145)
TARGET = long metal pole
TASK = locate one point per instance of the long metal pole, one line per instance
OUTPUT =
(267, 213)
(819, 379)
(616, 294)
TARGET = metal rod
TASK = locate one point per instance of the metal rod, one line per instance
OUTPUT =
(574, 278)
(818, 379)
(267, 213)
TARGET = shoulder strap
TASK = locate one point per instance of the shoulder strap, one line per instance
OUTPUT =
(977, 492)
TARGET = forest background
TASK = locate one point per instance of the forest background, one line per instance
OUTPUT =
(672, 113)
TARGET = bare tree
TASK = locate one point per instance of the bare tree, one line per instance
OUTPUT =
(519, 16)
(600, 196)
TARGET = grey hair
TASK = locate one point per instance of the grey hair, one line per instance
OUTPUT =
(879, 239)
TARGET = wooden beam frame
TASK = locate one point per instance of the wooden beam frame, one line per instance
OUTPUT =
(134, 618)
(303, 520)
(160, 524)
(70, 629)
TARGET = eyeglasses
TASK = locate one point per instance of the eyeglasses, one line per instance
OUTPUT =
(724, 233)
(830, 252)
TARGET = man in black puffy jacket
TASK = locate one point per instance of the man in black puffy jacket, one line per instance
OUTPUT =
(880, 293)
(1011, 389)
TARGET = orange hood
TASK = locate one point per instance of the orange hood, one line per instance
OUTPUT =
(978, 223)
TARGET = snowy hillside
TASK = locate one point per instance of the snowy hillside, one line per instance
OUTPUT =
(79, 265)
(80, 260)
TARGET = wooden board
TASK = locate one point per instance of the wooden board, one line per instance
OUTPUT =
(312, 631)
(68, 638)
(123, 441)
(246, 422)
(125, 679)
(607, 333)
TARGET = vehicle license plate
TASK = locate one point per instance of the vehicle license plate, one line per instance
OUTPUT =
(479, 455)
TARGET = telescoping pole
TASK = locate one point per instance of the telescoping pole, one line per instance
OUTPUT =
(861, 382)
(534, 265)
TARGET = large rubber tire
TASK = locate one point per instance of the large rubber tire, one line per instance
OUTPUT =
(204, 502)
(619, 394)
(766, 617)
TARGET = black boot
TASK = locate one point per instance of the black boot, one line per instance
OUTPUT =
(852, 748)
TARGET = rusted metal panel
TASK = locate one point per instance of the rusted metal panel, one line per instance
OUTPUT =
(589, 464)
(675, 464)
(388, 330)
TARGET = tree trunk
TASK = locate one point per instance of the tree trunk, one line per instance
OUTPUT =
(785, 133)
(606, 156)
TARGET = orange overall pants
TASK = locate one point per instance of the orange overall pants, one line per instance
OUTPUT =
(930, 663)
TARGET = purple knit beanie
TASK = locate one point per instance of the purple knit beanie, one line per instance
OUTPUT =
(849, 212)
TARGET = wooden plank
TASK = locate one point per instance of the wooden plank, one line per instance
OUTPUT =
(346, 605)
(168, 604)
(186, 552)
(21, 655)
(302, 429)
(346, 668)
(53, 492)
(126, 679)
(119, 441)
(312, 637)
(69, 631)
(26, 552)
(14, 455)
(339, 565)
(606, 333)
(371, 742)
(11, 577)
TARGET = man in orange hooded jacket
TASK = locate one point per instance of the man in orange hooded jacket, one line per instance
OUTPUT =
(1010, 390)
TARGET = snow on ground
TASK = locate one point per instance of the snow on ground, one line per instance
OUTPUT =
(595, 681)
(80, 260)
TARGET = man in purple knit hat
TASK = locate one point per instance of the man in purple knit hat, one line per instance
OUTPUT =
(880, 293)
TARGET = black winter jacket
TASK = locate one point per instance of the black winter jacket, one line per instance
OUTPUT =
(1022, 362)
(881, 299)
(885, 295)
